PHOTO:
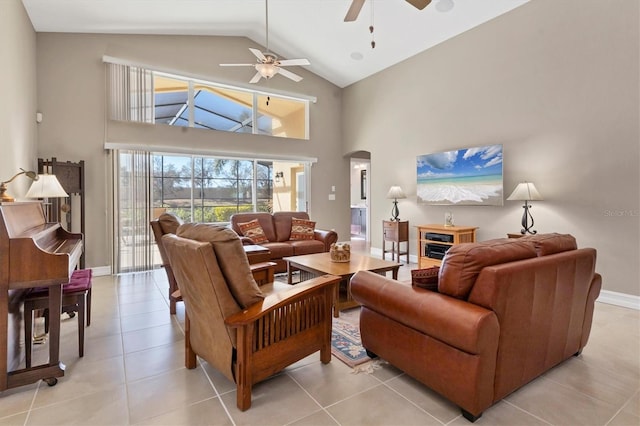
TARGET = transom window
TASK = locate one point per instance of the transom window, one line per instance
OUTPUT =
(143, 95)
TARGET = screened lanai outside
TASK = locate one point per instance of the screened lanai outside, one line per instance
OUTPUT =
(197, 189)
(226, 109)
(208, 189)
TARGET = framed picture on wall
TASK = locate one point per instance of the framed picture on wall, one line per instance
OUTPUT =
(471, 176)
(363, 184)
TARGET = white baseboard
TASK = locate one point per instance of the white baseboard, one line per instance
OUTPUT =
(101, 271)
(377, 252)
(619, 299)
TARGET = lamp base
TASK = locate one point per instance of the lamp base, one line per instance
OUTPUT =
(395, 212)
(4, 197)
(526, 215)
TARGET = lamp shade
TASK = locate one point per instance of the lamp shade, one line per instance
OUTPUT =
(47, 186)
(525, 191)
(395, 192)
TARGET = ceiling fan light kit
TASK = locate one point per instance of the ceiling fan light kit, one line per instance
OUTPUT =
(268, 64)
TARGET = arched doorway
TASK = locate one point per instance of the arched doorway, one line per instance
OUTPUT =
(360, 173)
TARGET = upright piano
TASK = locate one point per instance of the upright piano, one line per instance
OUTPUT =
(33, 253)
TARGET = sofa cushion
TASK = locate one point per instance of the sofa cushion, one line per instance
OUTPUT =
(231, 258)
(307, 247)
(169, 222)
(282, 224)
(463, 262)
(302, 229)
(253, 230)
(279, 250)
(546, 244)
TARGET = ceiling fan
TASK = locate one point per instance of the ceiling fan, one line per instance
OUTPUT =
(268, 64)
(356, 5)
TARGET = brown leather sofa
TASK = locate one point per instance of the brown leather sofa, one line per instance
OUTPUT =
(277, 229)
(505, 312)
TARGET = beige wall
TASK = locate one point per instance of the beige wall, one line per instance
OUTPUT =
(18, 89)
(557, 84)
(71, 88)
(17, 125)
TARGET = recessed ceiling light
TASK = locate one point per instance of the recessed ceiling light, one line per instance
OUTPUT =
(444, 5)
(357, 56)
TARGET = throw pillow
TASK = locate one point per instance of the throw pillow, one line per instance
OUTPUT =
(426, 278)
(253, 230)
(302, 229)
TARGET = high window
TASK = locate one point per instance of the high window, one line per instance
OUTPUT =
(143, 95)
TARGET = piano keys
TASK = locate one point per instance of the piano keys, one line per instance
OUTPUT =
(33, 253)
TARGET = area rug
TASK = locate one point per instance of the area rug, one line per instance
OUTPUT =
(346, 344)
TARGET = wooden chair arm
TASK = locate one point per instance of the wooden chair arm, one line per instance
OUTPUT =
(276, 301)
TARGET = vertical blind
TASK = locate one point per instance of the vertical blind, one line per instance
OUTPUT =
(130, 93)
(133, 242)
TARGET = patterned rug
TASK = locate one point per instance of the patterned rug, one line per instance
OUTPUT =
(346, 344)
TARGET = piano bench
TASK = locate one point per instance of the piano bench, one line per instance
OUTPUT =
(76, 296)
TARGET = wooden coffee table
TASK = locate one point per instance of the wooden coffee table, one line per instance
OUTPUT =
(312, 265)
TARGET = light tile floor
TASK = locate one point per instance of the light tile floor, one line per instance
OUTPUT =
(133, 374)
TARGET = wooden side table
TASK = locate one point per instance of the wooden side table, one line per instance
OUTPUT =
(395, 232)
(257, 254)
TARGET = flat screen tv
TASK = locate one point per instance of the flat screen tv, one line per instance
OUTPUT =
(471, 176)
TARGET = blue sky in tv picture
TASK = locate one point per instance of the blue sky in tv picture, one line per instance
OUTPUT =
(471, 176)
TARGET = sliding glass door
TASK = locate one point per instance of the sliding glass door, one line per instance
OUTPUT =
(197, 188)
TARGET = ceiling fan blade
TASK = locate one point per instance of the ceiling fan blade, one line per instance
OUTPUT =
(258, 54)
(255, 78)
(354, 10)
(237, 65)
(289, 74)
(419, 4)
(289, 62)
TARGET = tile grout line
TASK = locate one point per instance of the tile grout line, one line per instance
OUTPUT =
(124, 364)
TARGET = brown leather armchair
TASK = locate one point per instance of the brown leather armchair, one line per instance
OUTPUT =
(246, 332)
(505, 311)
(168, 223)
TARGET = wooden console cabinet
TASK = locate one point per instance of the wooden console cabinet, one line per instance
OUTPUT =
(435, 240)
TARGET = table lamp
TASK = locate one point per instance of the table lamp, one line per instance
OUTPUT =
(526, 191)
(46, 186)
(395, 193)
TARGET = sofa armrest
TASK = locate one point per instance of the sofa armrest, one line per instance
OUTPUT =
(327, 237)
(246, 241)
(458, 323)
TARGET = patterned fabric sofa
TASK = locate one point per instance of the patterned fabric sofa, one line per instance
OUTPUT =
(504, 312)
(283, 233)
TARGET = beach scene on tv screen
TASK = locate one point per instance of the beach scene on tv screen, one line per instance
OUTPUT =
(471, 176)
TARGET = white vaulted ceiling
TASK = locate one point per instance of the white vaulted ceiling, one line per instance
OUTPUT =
(339, 52)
